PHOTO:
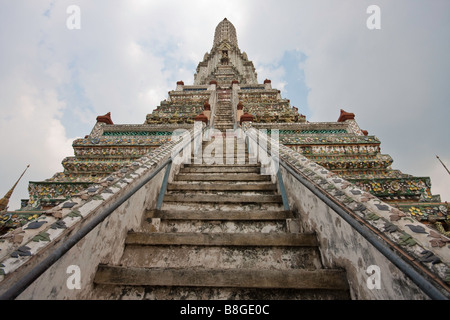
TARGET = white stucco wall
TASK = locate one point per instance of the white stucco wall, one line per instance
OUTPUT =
(341, 246)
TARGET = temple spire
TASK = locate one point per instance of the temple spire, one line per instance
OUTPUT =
(5, 200)
(225, 32)
(442, 164)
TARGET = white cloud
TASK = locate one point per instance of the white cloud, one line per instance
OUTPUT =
(128, 54)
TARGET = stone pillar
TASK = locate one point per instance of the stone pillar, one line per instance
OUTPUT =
(239, 111)
(212, 85)
(246, 117)
(180, 86)
(201, 117)
(207, 110)
(267, 84)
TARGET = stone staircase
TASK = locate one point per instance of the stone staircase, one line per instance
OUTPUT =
(224, 115)
(222, 233)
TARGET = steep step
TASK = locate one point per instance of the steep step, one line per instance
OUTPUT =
(223, 198)
(221, 149)
(226, 239)
(219, 169)
(222, 257)
(125, 292)
(224, 206)
(251, 278)
(216, 221)
(220, 166)
(220, 215)
(222, 177)
(220, 187)
(211, 226)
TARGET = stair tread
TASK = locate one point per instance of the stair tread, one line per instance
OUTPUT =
(222, 239)
(214, 198)
(221, 177)
(221, 187)
(206, 169)
(223, 165)
(239, 278)
(219, 215)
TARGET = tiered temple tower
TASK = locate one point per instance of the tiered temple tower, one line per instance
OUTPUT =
(139, 224)
(227, 75)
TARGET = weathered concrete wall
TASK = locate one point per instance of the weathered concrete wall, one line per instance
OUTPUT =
(103, 245)
(342, 246)
(25, 248)
(418, 244)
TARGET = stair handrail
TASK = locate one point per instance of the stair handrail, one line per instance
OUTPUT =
(429, 287)
(213, 103)
(24, 282)
(234, 103)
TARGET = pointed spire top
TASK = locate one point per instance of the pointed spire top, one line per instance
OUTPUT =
(225, 31)
(5, 200)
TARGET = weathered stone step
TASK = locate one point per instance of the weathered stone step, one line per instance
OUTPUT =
(219, 215)
(123, 292)
(224, 156)
(207, 224)
(225, 239)
(223, 128)
(224, 161)
(222, 198)
(223, 153)
(228, 139)
(222, 206)
(223, 149)
(220, 187)
(222, 177)
(213, 226)
(219, 160)
(203, 257)
(221, 169)
(247, 165)
(230, 278)
(212, 182)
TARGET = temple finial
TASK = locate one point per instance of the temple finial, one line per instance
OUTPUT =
(5, 200)
(442, 164)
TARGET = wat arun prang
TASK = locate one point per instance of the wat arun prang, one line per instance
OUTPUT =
(341, 147)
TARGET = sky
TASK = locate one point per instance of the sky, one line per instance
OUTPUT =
(127, 54)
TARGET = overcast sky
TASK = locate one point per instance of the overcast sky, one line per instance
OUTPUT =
(128, 54)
